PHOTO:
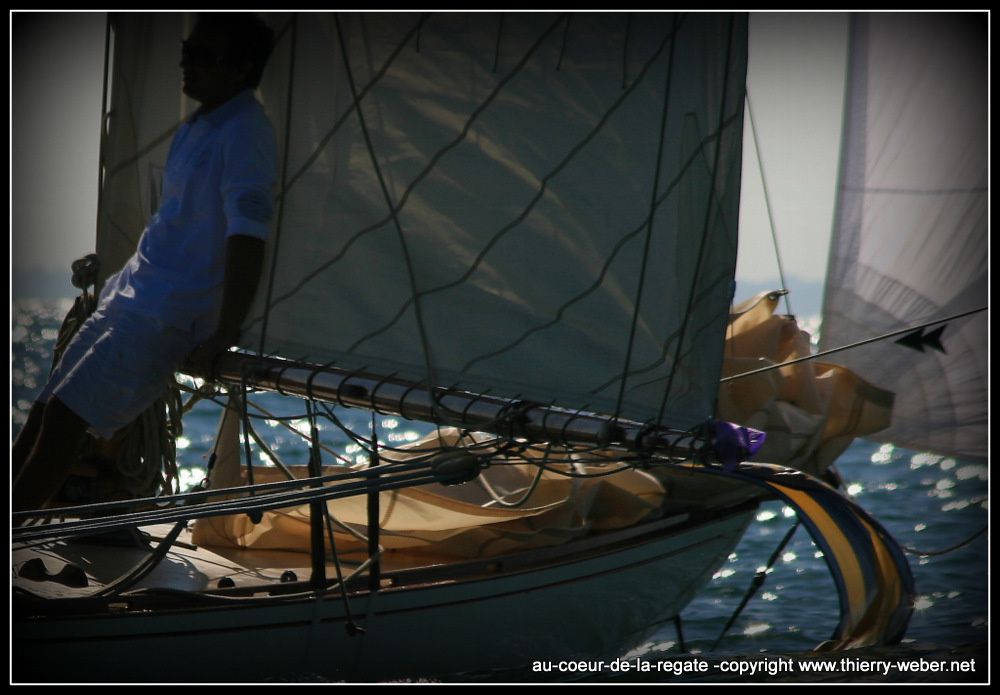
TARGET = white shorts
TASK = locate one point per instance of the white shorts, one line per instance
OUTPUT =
(115, 367)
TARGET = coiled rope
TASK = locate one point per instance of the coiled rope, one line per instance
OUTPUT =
(146, 458)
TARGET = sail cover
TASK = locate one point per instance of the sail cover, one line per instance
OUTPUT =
(535, 206)
(910, 239)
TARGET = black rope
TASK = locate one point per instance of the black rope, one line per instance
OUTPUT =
(104, 121)
(758, 581)
(411, 274)
(146, 566)
(259, 503)
(539, 195)
(255, 516)
(352, 627)
(650, 219)
(562, 47)
(198, 496)
(945, 551)
(284, 179)
(491, 97)
(680, 634)
(628, 34)
(705, 231)
(598, 281)
(496, 49)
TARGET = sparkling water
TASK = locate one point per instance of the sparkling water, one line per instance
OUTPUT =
(928, 503)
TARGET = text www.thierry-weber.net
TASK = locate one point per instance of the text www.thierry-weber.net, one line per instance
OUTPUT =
(743, 668)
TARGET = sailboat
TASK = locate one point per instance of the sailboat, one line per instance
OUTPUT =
(520, 228)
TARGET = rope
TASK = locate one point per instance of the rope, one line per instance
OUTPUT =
(705, 231)
(538, 196)
(628, 33)
(496, 50)
(652, 213)
(411, 275)
(502, 499)
(931, 553)
(758, 581)
(279, 223)
(146, 459)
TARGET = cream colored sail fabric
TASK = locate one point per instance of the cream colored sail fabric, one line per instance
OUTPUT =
(910, 238)
(811, 413)
(444, 522)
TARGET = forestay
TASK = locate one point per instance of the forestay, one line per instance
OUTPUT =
(910, 244)
(533, 205)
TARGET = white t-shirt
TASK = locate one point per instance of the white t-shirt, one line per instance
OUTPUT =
(219, 181)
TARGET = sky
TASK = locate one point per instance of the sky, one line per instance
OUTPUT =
(795, 82)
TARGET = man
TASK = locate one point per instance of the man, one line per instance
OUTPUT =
(187, 289)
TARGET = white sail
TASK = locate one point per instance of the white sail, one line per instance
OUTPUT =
(910, 239)
(530, 205)
(485, 222)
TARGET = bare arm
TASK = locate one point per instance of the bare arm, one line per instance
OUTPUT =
(244, 260)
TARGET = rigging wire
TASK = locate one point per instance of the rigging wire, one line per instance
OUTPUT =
(198, 496)
(758, 581)
(767, 202)
(259, 503)
(945, 551)
(824, 353)
(407, 260)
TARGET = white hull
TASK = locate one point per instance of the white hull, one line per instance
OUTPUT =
(591, 600)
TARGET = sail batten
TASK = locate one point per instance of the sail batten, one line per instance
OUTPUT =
(910, 239)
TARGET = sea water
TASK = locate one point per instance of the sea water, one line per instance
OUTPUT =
(929, 503)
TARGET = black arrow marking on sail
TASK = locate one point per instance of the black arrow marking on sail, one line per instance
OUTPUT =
(917, 339)
(933, 337)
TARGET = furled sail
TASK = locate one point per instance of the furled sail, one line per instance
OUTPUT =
(910, 239)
